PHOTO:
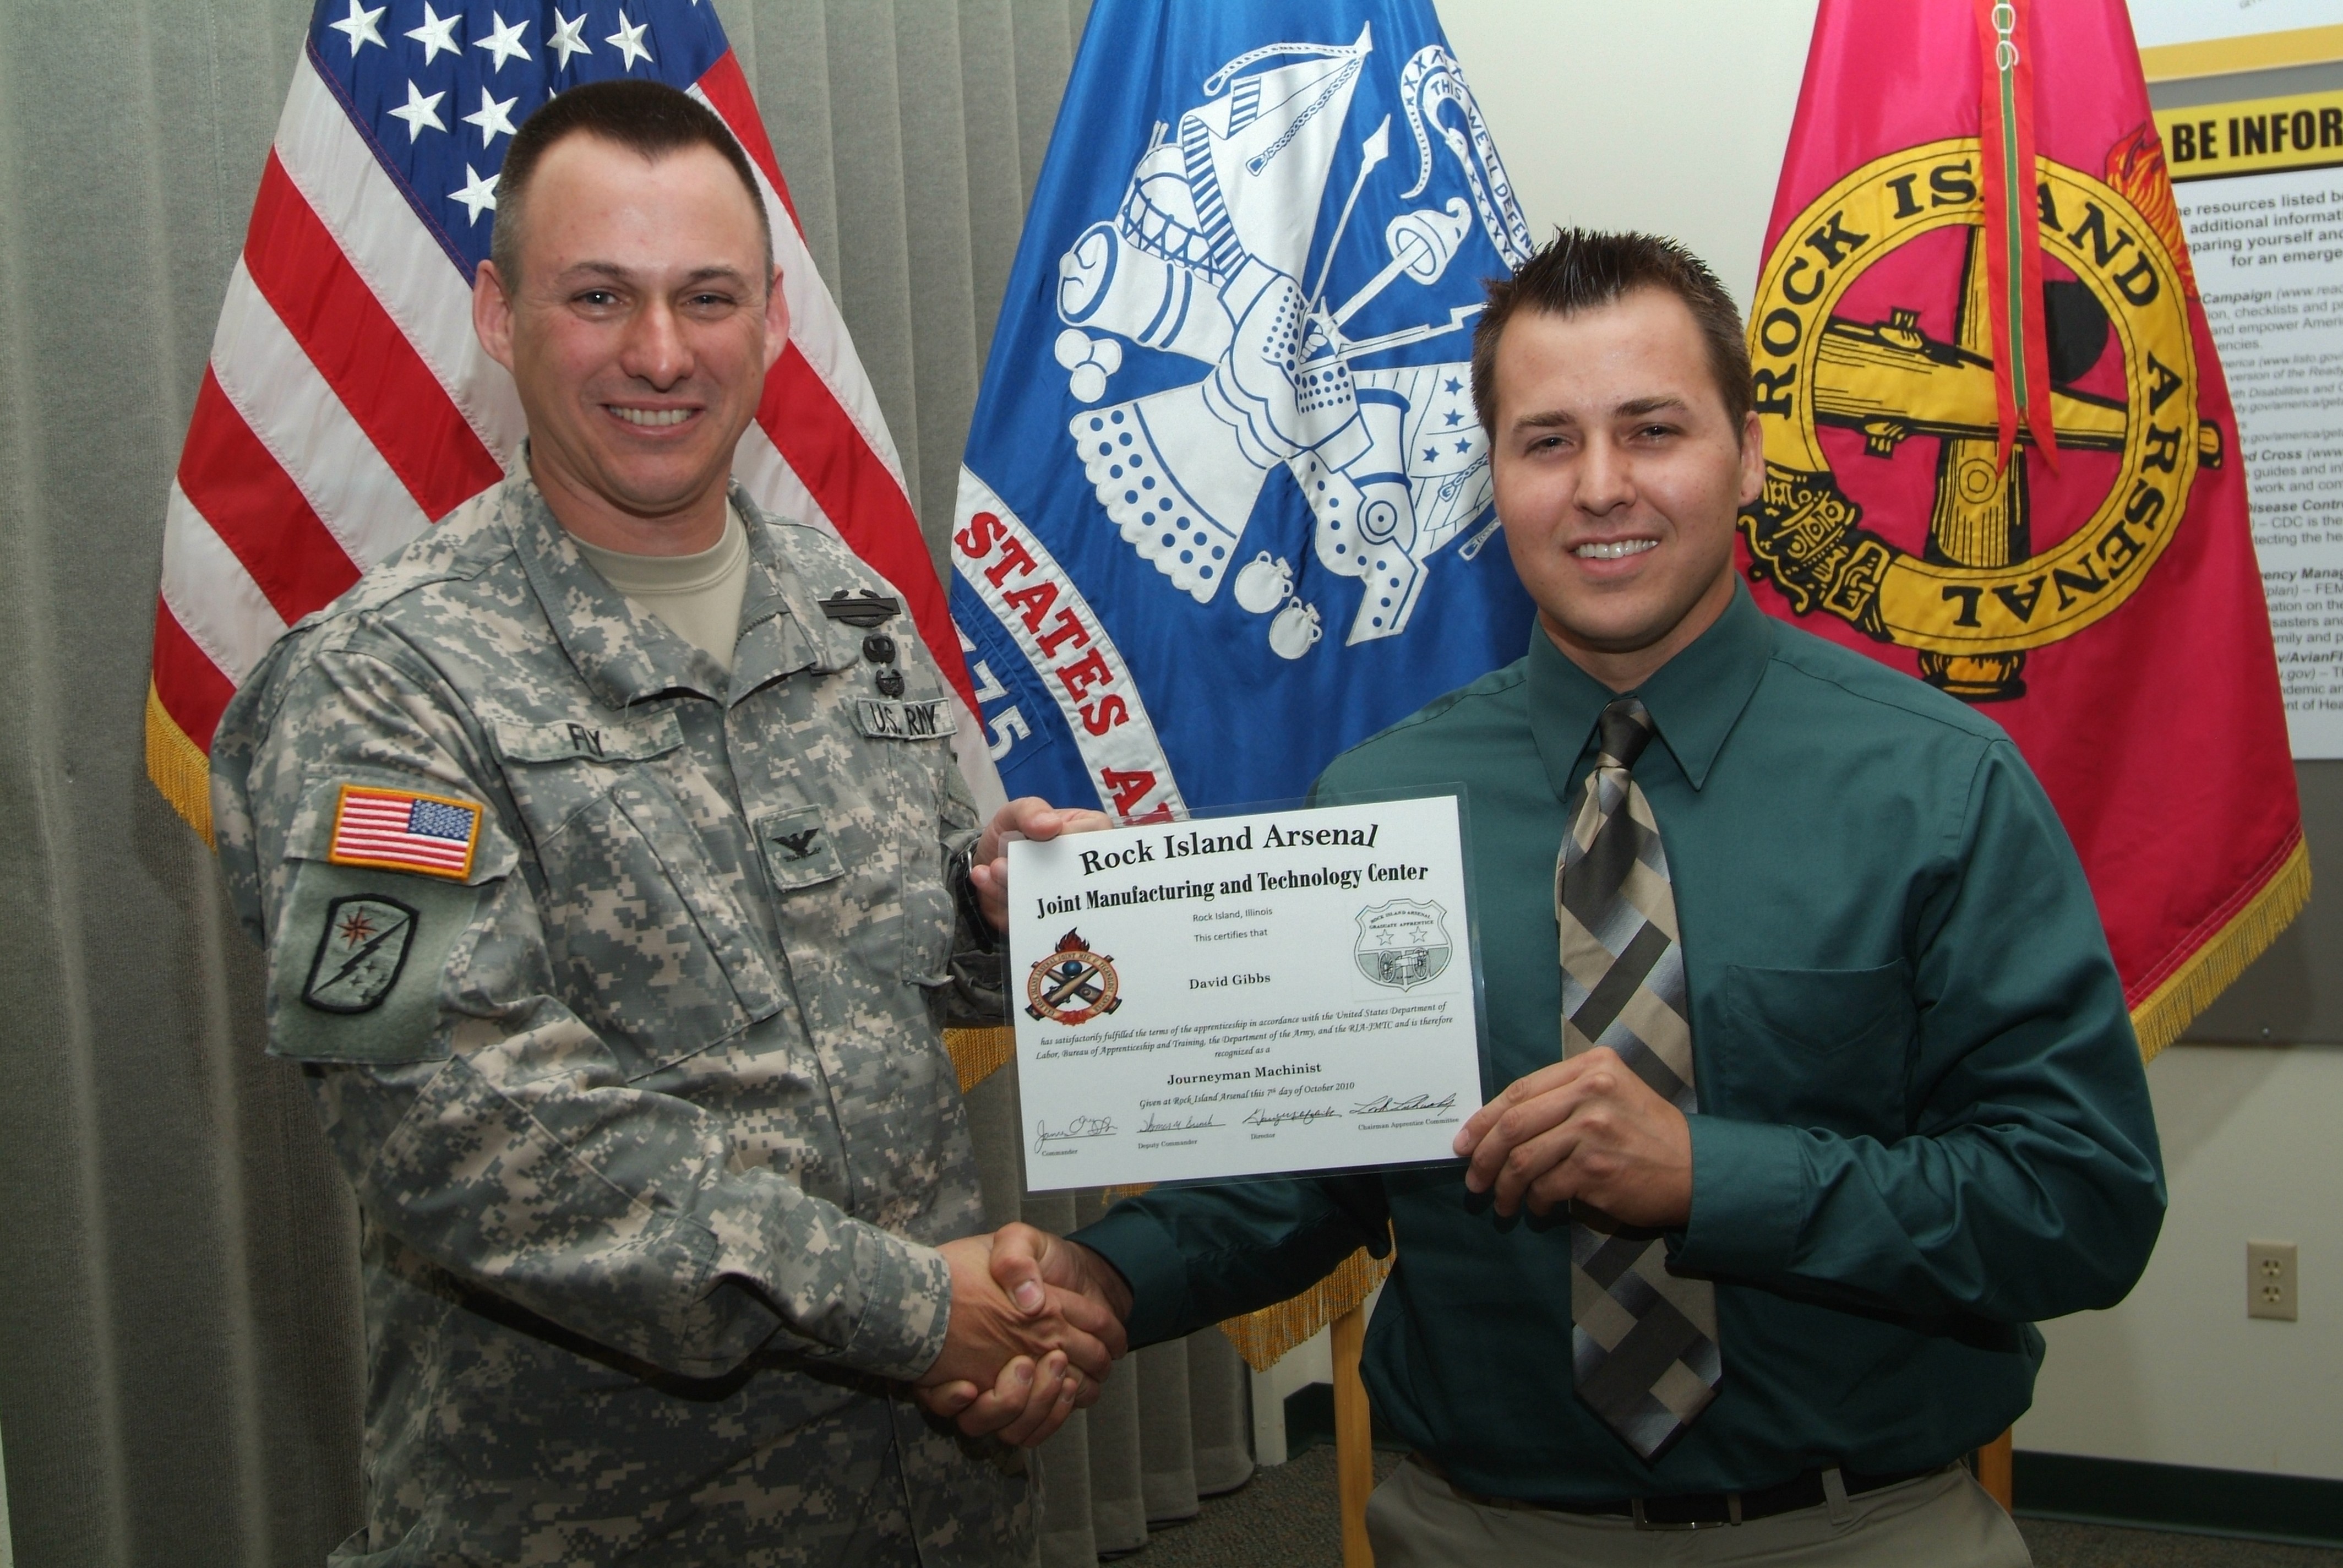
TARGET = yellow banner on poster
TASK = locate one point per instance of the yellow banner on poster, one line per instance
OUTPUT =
(2252, 135)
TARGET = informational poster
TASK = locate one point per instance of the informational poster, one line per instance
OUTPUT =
(2260, 190)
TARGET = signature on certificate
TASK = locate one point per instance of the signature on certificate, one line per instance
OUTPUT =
(1189, 1124)
(1391, 1104)
(1303, 1115)
(1080, 1127)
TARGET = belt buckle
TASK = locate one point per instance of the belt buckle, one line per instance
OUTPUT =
(1732, 1517)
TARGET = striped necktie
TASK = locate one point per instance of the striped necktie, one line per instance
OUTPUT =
(1644, 1347)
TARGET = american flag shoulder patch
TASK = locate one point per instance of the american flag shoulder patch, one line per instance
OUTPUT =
(403, 830)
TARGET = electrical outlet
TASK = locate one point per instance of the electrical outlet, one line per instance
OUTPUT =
(2269, 1279)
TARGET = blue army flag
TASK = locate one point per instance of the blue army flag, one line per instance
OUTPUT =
(1226, 508)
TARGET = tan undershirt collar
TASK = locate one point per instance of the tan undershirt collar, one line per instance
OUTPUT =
(697, 597)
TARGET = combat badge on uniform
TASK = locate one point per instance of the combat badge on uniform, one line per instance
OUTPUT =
(360, 952)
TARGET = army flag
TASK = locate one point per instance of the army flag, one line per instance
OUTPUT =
(346, 404)
(2000, 455)
(1225, 507)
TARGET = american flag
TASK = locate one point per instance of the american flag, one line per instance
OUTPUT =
(403, 830)
(348, 404)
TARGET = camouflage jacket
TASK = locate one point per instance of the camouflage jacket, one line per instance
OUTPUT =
(618, 983)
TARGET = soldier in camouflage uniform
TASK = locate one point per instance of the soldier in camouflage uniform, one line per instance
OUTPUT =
(618, 979)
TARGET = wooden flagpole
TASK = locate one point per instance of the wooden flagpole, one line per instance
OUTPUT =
(1354, 1444)
(1994, 1470)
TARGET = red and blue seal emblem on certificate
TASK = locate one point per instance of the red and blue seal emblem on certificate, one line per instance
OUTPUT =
(1073, 985)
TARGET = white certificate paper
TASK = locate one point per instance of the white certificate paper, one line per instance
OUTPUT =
(1238, 996)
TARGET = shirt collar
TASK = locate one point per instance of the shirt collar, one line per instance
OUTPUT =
(1694, 700)
(783, 628)
(626, 658)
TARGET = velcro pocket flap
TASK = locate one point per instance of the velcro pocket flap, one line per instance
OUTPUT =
(600, 738)
(721, 923)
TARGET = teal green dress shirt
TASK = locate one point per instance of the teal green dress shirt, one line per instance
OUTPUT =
(1922, 1123)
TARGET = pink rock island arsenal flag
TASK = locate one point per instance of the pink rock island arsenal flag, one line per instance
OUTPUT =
(346, 406)
(2000, 455)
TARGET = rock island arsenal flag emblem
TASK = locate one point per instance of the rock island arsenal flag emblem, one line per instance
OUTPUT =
(2000, 455)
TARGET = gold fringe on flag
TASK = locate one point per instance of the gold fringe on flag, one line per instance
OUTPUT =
(178, 766)
(1262, 1338)
(2222, 957)
(977, 1053)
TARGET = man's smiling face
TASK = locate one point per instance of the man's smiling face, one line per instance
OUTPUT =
(638, 336)
(1618, 474)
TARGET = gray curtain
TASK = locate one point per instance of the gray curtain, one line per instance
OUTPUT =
(1174, 1424)
(179, 1342)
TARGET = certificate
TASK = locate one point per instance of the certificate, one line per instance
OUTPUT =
(1286, 992)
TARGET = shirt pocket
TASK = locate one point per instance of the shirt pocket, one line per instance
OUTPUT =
(912, 923)
(1827, 1049)
(647, 946)
(930, 918)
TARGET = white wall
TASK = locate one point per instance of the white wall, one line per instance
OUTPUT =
(1671, 115)
(1667, 115)
(2179, 1373)
(2154, 22)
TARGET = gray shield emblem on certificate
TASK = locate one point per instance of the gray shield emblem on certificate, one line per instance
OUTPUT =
(1401, 944)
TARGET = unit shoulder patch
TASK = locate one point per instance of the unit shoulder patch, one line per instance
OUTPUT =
(360, 951)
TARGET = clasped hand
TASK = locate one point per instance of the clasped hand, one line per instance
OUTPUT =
(1028, 817)
(1036, 1325)
(1588, 1129)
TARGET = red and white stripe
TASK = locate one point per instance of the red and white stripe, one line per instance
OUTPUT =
(348, 404)
(371, 829)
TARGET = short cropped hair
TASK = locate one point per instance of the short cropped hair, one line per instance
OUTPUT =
(649, 118)
(1581, 269)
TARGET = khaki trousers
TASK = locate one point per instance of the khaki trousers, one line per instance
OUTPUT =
(1943, 1521)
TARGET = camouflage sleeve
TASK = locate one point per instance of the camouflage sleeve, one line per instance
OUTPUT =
(478, 1119)
(973, 997)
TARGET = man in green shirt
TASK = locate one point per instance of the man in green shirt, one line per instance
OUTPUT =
(1916, 1119)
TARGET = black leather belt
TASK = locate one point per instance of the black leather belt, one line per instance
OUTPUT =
(1698, 1509)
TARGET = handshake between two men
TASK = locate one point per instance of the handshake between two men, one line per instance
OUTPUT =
(1036, 1325)
(1037, 1320)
